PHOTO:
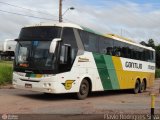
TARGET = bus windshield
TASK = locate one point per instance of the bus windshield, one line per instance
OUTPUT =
(32, 51)
(34, 54)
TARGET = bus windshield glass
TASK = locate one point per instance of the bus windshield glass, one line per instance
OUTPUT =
(32, 51)
(34, 54)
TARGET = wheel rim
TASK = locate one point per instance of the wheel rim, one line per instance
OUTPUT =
(84, 89)
(137, 87)
(142, 86)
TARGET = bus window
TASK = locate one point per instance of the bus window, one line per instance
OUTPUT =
(151, 56)
(117, 50)
(68, 50)
(90, 41)
(124, 50)
(105, 46)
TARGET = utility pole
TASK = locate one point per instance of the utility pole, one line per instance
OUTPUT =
(60, 10)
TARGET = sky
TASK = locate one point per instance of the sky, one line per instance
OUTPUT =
(138, 20)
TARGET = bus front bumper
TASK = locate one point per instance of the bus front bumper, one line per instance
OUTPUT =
(45, 85)
(36, 89)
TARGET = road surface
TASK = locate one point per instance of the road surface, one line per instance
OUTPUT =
(14, 101)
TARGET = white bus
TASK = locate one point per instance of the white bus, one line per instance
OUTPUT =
(67, 58)
(7, 48)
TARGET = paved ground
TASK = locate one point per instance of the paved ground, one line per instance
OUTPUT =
(13, 101)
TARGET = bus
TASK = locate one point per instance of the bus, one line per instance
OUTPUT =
(67, 58)
(7, 48)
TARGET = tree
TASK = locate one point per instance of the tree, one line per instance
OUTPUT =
(143, 43)
(151, 43)
(158, 48)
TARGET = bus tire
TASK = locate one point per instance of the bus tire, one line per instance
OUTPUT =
(83, 90)
(136, 87)
(142, 87)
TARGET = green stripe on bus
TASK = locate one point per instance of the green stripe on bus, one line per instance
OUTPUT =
(103, 72)
(106, 71)
(111, 71)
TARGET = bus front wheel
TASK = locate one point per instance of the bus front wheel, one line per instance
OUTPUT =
(137, 87)
(83, 90)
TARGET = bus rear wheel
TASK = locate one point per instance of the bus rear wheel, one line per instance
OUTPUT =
(142, 87)
(137, 87)
(83, 90)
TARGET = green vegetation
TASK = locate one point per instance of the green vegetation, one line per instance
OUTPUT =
(158, 73)
(5, 72)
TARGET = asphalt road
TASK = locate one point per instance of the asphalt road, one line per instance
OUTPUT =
(14, 101)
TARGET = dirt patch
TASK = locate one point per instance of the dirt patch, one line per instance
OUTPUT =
(8, 86)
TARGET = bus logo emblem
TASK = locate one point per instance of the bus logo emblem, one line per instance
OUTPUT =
(68, 84)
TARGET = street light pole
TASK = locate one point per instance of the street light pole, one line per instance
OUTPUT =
(60, 10)
(71, 8)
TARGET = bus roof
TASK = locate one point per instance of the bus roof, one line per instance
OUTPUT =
(112, 36)
(57, 24)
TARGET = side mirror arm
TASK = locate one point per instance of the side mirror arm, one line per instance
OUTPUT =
(54, 45)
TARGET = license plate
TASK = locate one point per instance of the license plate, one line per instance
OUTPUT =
(28, 85)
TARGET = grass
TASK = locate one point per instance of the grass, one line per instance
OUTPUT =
(158, 73)
(6, 68)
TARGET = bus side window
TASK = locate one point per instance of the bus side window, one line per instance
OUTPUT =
(105, 45)
(109, 51)
(117, 51)
(89, 40)
(68, 50)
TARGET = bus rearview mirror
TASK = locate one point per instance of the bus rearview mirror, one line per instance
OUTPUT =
(54, 45)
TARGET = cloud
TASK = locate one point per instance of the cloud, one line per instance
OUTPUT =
(133, 20)
(137, 21)
(10, 24)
